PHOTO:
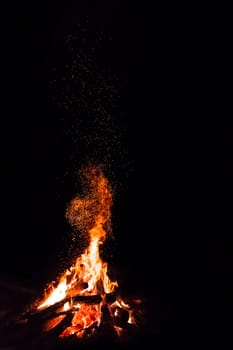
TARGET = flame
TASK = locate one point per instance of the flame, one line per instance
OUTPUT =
(88, 276)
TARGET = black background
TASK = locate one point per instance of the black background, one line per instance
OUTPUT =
(173, 171)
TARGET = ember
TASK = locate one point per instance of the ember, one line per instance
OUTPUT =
(85, 294)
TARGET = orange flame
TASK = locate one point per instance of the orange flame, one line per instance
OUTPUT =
(88, 276)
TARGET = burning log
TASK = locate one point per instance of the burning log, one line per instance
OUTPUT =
(121, 316)
(55, 309)
(81, 299)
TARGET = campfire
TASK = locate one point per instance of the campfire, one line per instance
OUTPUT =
(84, 301)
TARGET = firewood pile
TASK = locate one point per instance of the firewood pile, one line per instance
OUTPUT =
(41, 329)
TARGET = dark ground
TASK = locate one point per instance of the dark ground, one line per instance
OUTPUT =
(171, 217)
